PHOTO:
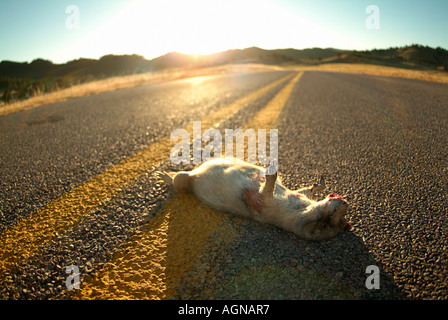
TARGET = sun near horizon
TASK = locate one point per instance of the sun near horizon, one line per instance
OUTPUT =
(33, 29)
(199, 27)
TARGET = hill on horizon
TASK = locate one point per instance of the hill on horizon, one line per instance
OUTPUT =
(20, 80)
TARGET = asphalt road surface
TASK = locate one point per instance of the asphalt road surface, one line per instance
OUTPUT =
(78, 188)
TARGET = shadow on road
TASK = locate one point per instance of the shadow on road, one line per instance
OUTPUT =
(268, 263)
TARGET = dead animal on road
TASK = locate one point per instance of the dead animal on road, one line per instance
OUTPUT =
(244, 189)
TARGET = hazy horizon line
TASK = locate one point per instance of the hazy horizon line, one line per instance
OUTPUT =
(209, 54)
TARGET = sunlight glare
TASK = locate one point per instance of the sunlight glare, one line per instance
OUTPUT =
(153, 28)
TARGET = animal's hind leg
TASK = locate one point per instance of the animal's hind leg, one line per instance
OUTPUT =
(316, 187)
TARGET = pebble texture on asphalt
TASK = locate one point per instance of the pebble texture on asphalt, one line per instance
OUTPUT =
(379, 141)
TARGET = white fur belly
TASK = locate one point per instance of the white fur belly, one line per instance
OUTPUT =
(244, 189)
(222, 184)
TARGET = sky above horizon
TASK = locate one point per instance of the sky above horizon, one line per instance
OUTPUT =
(60, 30)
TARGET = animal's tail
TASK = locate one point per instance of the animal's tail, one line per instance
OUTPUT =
(165, 177)
(181, 181)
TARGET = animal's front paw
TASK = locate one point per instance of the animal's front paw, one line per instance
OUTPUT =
(317, 187)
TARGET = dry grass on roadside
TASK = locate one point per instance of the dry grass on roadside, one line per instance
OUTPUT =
(377, 70)
(115, 83)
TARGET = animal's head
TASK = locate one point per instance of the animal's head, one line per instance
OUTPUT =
(322, 220)
(329, 218)
(335, 205)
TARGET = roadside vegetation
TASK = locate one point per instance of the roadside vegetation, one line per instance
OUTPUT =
(26, 85)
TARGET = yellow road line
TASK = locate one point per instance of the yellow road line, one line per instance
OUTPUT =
(152, 263)
(267, 117)
(22, 240)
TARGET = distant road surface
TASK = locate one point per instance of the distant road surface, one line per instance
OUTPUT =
(78, 188)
